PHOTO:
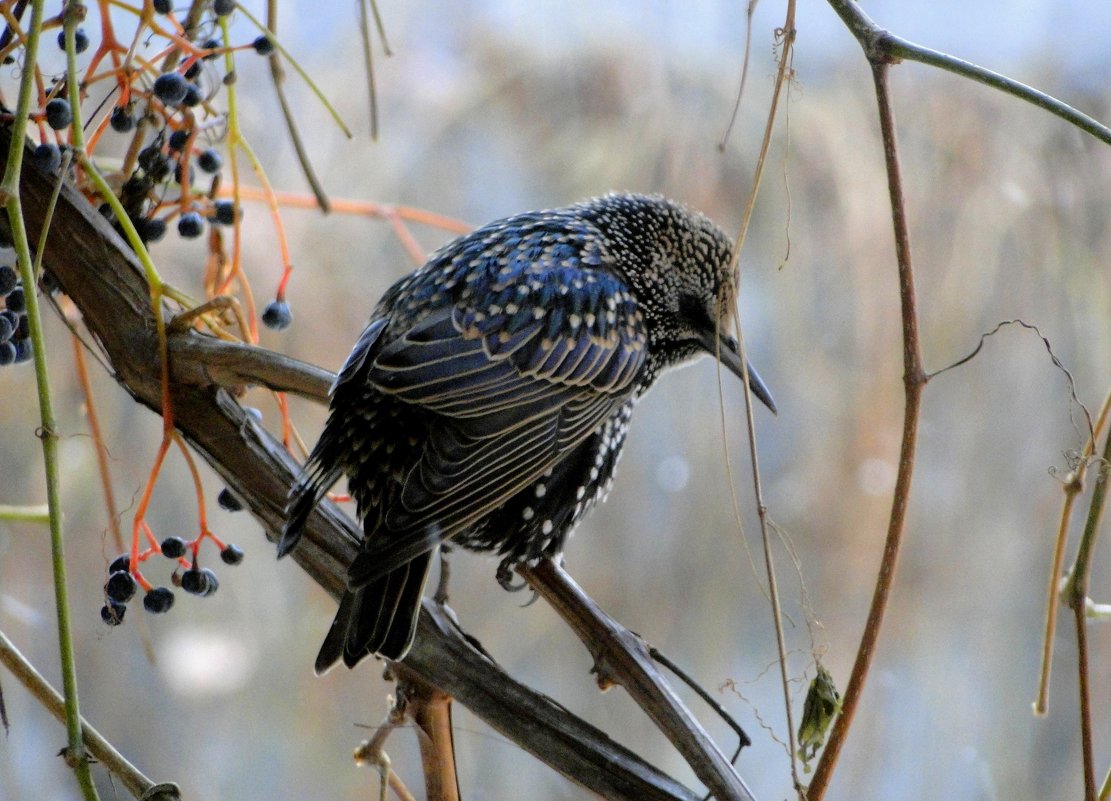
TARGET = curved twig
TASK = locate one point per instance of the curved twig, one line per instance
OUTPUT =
(914, 379)
(882, 45)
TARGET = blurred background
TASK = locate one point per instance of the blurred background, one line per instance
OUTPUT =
(490, 108)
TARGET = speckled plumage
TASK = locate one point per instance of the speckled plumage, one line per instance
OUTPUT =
(489, 397)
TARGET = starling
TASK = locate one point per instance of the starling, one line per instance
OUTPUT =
(488, 399)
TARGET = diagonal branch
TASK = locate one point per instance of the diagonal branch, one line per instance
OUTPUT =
(622, 657)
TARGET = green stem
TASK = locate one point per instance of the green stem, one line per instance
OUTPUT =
(75, 754)
(71, 15)
(25, 514)
(1076, 591)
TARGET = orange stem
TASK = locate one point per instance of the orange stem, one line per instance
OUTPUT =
(98, 443)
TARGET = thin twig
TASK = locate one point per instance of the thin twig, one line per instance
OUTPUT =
(1048, 349)
(1072, 487)
(742, 737)
(133, 779)
(335, 115)
(914, 379)
(277, 75)
(368, 65)
(882, 45)
(1076, 591)
(744, 76)
(787, 40)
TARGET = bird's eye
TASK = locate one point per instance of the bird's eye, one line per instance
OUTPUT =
(693, 312)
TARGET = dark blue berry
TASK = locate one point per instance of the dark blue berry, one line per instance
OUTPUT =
(154, 162)
(263, 45)
(158, 600)
(120, 586)
(112, 613)
(22, 329)
(232, 554)
(194, 581)
(7, 353)
(80, 40)
(211, 582)
(163, 6)
(209, 160)
(177, 140)
(6, 331)
(47, 158)
(193, 71)
(121, 120)
(170, 88)
(277, 316)
(177, 174)
(121, 562)
(223, 7)
(223, 212)
(23, 351)
(193, 96)
(173, 547)
(16, 301)
(8, 279)
(58, 114)
(191, 225)
(150, 229)
(228, 502)
(211, 44)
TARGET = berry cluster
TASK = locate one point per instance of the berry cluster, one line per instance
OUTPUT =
(178, 150)
(173, 123)
(125, 579)
(15, 332)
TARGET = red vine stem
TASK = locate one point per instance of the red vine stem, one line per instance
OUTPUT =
(914, 379)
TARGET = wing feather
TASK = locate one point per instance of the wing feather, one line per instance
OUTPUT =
(511, 388)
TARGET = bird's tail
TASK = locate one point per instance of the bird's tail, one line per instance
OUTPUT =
(378, 618)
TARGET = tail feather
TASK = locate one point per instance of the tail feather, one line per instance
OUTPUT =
(379, 618)
(403, 628)
(303, 498)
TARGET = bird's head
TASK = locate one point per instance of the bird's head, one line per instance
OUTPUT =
(679, 264)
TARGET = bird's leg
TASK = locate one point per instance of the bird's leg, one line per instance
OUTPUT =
(505, 575)
(441, 596)
(505, 572)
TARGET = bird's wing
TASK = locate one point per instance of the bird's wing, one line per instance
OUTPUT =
(324, 464)
(514, 387)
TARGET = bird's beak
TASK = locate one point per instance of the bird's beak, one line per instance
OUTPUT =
(725, 349)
